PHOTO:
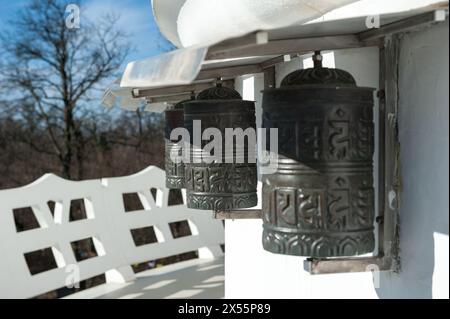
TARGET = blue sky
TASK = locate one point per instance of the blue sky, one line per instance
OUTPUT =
(136, 19)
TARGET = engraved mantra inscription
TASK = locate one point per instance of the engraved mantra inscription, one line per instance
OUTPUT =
(223, 178)
(334, 138)
(221, 187)
(320, 202)
(174, 171)
(340, 207)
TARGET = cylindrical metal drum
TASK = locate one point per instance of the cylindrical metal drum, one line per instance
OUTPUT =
(320, 201)
(174, 170)
(226, 183)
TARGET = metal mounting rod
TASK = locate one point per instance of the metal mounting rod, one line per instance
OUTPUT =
(344, 265)
(283, 47)
(238, 214)
(408, 24)
(178, 90)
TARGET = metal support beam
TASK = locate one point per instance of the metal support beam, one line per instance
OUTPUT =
(344, 265)
(173, 99)
(269, 78)
(283, 47)
(279, 59)
(228, 72)
(177, 90)
(239, 214)
(408, 24)
(246, 41)
(392, 154)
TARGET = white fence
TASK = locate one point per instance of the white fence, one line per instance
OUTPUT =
(107, 224)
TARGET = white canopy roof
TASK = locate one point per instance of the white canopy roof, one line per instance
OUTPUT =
(229, 34)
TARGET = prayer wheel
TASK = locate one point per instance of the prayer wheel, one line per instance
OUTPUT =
(229, 181)
(320, 201)
(174, 170)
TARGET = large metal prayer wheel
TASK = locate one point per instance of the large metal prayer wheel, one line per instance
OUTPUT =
(220, 185)
(174, 169)
(320, 201)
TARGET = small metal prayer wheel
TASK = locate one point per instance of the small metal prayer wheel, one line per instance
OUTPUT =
(320, 202)
(220, 185)
(174, 170)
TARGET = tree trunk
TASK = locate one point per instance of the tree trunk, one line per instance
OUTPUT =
(80, 144)
(68, 125)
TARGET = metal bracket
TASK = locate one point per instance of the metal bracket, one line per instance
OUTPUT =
(387, 258)
(344, 265)
(238, 214)
(176, 91)
(406, 25)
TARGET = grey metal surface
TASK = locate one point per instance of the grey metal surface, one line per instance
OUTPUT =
(286, 46)
(174, 170)
(239, 214)
(392, 180)
(320, 202)
(225, 185)
(192, 279)
(406, 25)
(343, 265)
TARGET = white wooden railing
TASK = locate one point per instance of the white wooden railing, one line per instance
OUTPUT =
(107, 224)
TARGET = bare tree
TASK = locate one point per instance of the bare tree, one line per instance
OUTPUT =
(50, 71)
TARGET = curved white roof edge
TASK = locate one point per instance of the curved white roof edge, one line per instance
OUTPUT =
(182, 66)
(166, 16)
(211, 21)
(183, 22)
(370, 8)
(196, 22)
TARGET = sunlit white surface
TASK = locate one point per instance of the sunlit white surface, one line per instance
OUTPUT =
(173, 16)
(206, 22)
(166, 15)
(180, 280)
(441, 267)
(176, 67)
(107, 224)
(368, 8)
(211, 21)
